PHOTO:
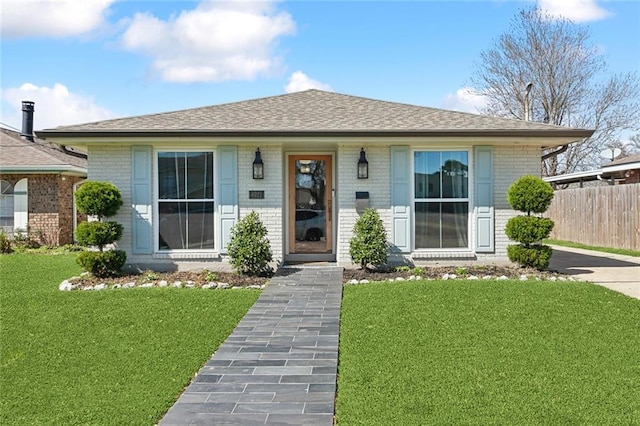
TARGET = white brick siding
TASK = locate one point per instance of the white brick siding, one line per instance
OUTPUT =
(510, 162)
(377, 185)
(112, 163)
(270, 209)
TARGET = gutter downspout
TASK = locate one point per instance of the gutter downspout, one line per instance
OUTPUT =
(555, 153)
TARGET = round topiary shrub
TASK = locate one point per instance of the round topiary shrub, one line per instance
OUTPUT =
(102, 263)
(529, 194)
(249, 249)
(529, 229)
(99, 199)
(369, 245)
(535, 256)
(98, 234)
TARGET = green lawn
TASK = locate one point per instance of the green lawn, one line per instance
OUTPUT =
(110, 357)
(500, 352)
(625, 252)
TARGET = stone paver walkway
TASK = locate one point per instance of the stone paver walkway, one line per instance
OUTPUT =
(279, 365)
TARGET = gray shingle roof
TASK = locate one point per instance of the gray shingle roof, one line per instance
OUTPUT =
(20, 154)
(625, 160)
(311, 112)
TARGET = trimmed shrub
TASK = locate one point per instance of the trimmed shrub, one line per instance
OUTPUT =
(528, 229)
(102, 264)
(101, 199)
(530, 194)
(369, 245)
(249, 249)
(536, 256)
(98, 234)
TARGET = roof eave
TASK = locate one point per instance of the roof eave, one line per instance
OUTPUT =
(560, 133)
(49, 169)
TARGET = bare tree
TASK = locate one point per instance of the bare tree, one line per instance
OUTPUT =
(633, 147)
(545, 69)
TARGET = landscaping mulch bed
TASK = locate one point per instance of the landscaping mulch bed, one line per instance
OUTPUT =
(197, 278)
(236, 280)
(437, 272)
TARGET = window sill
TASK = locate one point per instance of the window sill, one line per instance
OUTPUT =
(187, 255)
(443, 255)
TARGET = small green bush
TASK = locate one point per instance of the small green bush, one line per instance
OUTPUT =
(98, 234)
(102, 199)
(5, 243)
(528, 229)
(530, 194)
(102, 263)
(249, 249)
(536, 256)
(369, 245)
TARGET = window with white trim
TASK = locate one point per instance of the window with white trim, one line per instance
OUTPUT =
(441, 199)
(185, 201)
(6, 206)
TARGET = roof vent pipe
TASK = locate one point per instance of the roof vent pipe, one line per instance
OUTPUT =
(27, 120)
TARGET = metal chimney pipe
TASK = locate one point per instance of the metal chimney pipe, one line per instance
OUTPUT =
(27, 120)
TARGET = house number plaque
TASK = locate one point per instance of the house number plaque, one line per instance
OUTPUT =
(256, 195)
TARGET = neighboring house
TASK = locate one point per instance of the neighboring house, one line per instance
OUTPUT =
(37, 181)
(618, 172)
(438, 178)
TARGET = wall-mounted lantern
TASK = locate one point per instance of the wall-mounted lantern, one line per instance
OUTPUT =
(258, 166)
(363, 166)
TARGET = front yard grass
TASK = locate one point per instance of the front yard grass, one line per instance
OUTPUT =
(479, 352)
(624, 252)
(101, 357)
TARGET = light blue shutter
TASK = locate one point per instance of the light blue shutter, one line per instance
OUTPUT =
(228, 197)
(485, 229)
(141, 190)
(400, 199)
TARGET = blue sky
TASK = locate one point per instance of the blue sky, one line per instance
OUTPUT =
(90, 60)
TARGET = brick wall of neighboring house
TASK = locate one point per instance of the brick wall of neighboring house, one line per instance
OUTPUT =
(50, 206)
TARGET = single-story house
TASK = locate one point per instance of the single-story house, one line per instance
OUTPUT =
(37, 182)
(309, 163)
(622, 171)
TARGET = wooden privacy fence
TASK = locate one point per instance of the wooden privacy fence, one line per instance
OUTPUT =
(605, 216)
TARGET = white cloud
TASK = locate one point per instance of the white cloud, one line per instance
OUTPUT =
(54, 106)
(575, 10)
(216, 41)
(51, 18)
(465, 99)
(299, 81)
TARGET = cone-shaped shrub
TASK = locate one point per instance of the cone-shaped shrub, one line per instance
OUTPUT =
(249, 249)
(369, 245)
(529, 194)
(99, 199)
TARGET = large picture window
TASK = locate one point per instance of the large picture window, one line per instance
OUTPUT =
(185, 201)
(441, 199)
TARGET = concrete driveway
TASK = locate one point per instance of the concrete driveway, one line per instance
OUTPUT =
(617, 272)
